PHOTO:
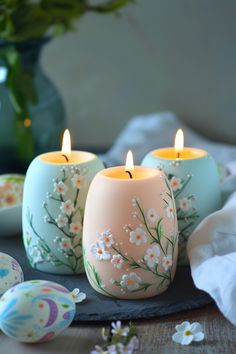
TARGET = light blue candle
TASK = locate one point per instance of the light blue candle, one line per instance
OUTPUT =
(194, 179)
(55, 192)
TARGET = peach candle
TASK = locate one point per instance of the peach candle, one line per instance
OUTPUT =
(130, 232)
(55, 191)
(194, 179)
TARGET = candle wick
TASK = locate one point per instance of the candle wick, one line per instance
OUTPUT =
(130, 174)
(178, 155)
(67, 160)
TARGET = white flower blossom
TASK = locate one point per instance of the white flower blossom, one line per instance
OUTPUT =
(175, 183)
(188, 332)
(130, 281)
(107, 238)
(167, 262)
(138, 236)
(117, 261)
(185, 204)
(67, 207)
(61, 220)
(170, 210)
(117, 329)
(78, 296)
(35, 253)
(60, 188)
(98, 249)
(46, 218)
(152, 215)
(152, 256)
(65, 244)
(75, 227)
(78, 181)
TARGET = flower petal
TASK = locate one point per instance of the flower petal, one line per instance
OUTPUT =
(177, 337)
(197, 337)
(195, 327)
(182, 327)
(186, 340)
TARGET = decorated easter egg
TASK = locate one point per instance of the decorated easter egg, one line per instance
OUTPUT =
(10, 272)
(36, 311)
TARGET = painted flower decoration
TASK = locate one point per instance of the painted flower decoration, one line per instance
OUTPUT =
(107, 238)
(175, 183)
(65, 244)
(152, 215)
(167, 262)
(67, 207)
(187, 333)
(130, 281)
(98, 249)
(61, 220)
(138, 236)
(152, 256)
(170, 210)
(60, 188)
(78, 181)
(185, 204)
(117, 261)
(75, 227)
(35, 253)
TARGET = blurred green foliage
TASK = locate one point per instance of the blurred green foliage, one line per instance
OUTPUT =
(21, 20)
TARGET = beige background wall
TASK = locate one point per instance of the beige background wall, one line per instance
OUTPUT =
(178, 55)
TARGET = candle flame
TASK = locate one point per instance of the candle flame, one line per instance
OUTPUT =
(179, 141)
(66, 144)
(129, 166)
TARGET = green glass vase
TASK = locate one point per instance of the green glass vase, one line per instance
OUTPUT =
(32, 115)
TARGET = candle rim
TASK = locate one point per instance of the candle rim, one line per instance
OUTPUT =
(202, 153)
(73, 152)
(154, 172)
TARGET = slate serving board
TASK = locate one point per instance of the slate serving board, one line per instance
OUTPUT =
(182, 294)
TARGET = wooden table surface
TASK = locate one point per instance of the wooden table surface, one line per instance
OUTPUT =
(154, 334)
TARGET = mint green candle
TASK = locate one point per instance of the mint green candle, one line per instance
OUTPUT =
(194, 179)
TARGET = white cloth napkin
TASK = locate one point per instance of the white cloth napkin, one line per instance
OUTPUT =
(212, 246)
(212, 253)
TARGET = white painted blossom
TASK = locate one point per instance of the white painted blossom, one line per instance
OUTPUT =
(185, 204)
(65, 244)
(152, 256)
(61, 220)
(130, 281)
(75, 227)
(117, 261)
(152, 215)
(107, 238)
(167, 262)
(78, 296)
(118, 330)
(78, 181)
(175, 183)
(67, 207)
(46, 218)
(138, 236)
(170, 210)
(60, 188)
(98, 249)
(35, 253)
(188, 332)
